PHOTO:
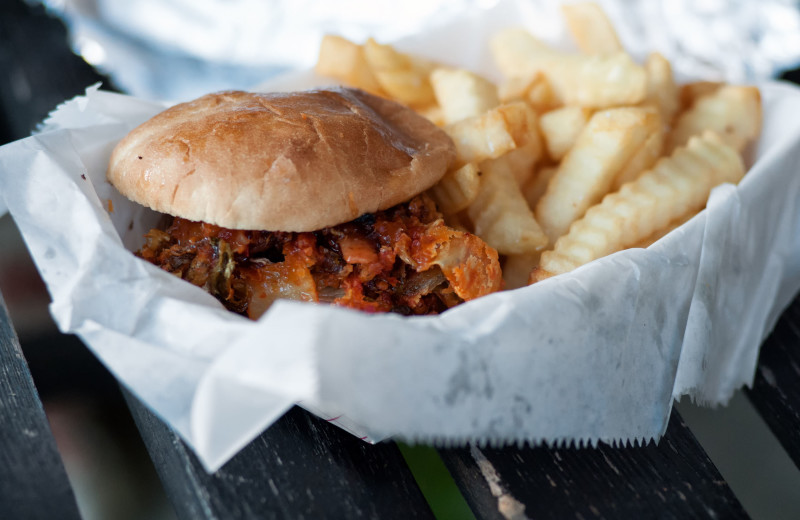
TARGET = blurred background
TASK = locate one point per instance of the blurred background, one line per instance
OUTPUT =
(173, 50)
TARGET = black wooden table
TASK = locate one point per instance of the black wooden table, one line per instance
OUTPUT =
(303, 467)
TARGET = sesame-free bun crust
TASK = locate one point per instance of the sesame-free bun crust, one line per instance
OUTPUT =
(280, 162)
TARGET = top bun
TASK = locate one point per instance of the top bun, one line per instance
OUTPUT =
(280, 162)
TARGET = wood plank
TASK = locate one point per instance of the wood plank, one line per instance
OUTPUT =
(40, 71)
(674, 479)
(776, 388)
(33, 482)
(301, 467)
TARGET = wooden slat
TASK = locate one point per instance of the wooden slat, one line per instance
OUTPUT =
(39, 69)
(301, 467)
(674, 479)
(776, 388)
(33, 482)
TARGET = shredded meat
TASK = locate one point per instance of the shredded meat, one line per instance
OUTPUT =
(404, 259)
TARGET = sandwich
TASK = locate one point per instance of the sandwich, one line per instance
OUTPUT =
(315, 196)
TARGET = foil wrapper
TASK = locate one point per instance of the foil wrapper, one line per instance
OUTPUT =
(180, 49)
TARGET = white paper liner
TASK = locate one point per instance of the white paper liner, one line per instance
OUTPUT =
(597, 354)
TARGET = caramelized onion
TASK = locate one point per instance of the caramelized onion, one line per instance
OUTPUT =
(404, 259)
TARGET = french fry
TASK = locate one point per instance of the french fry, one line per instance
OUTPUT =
(462, 94)
(403, 77)
(385, 57)
(733, 112)
(591, 28)
(481, 138)
(587, 172)
(516, 88)
(500, 214)
(538, 274)
(524, 129)
(432, 113)
(495, 133)
(344, 60)
(535, 89)
(596, 81)
(535, 187)
(600, 121)
(522, 161)
(600, 81)
(642, 160)
(561, 127)
(691, 92)
(522, 124)
(406, 86)
(457, 189)
(518, 54)
(662, 92)
(678, 185)
(541, 95)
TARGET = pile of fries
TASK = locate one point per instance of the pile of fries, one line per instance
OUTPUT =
(573, 156)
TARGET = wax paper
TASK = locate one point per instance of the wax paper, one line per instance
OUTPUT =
(596, 354)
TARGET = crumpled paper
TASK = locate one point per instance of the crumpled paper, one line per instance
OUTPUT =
(180, 49)
(596, 354)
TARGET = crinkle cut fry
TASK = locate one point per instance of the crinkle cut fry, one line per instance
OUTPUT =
(676, 186)
(733, 111)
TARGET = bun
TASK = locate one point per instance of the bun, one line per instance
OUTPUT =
(280, 162)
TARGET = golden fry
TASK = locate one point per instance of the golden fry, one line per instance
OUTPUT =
(518, 53)
(522, 122)
(678, 185)
(591, 28)
(535, 187)
(495, 133)
(642, 160)
(662, 92)
(561, 128)
(538, 274)
(534, 89)
(500, 214)
(606, 119)
(403, 77)
(385, 57)
(344, 60)
(406, 86)
(541, 95)
(596, 81)
(479, 138)
(516, 88)
(432, 113)
(462, 94)
(691, 92)
(457, 189)
(733, 112)
(522, 161)
(587, 172)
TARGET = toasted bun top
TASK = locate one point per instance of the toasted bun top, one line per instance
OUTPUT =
(280, 162)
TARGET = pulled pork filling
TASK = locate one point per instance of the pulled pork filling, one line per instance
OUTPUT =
(403, 259)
